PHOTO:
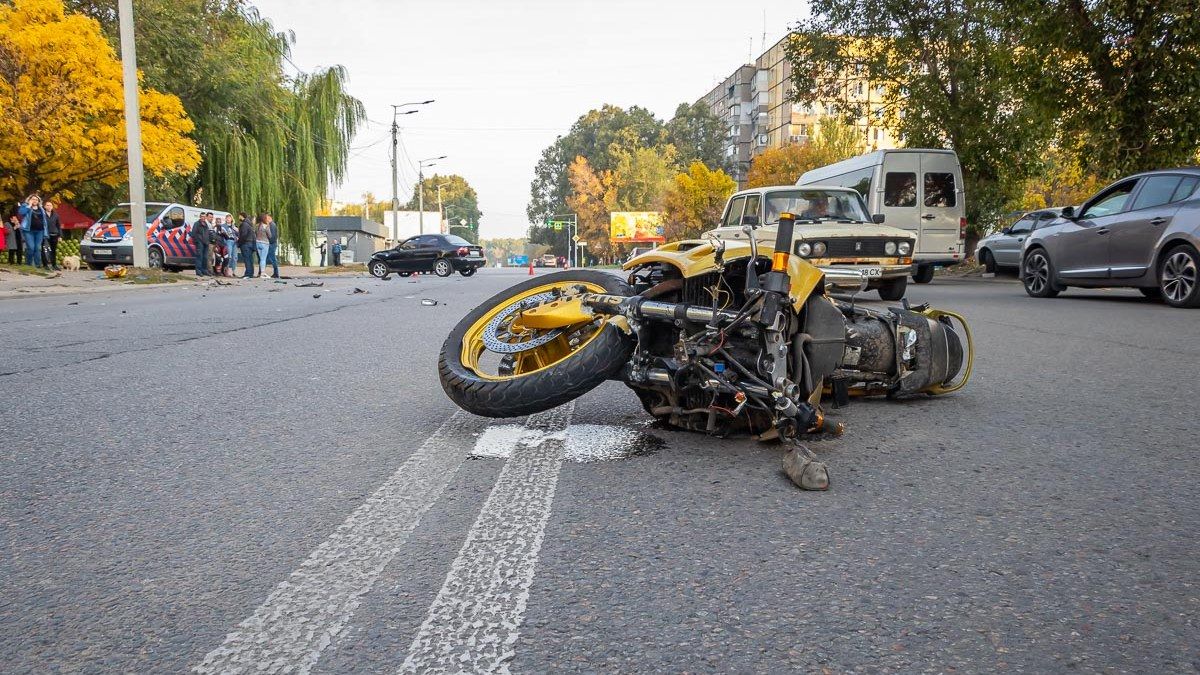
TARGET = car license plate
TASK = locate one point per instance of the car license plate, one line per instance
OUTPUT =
(102, 251)
(871, 272)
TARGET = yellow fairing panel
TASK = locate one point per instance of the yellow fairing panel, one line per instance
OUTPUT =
(698, 259)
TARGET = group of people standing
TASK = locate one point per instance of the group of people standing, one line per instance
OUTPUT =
(31, 235)
(219, 245)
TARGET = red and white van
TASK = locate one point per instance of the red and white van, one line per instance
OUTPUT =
(110, 240)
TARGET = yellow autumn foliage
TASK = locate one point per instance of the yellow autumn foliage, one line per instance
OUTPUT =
(62, 119)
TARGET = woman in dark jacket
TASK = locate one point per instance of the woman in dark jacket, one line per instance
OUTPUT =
(53, 234)
(33, 227)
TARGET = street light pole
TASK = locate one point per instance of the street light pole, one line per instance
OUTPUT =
(133, 135)
(441, 209)
(432, 161)
(395, 159)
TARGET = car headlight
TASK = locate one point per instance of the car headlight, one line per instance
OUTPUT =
(890, 248)
(818, 249)
(803, 249)
(905, 248)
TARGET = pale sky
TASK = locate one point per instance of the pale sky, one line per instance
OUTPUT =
(509, 76)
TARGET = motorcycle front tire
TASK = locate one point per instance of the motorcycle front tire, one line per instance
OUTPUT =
(567, 379)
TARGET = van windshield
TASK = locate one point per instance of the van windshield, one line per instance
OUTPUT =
(815, 205)
(123, 214)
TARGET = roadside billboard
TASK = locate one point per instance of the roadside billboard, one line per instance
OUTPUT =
(632, 227)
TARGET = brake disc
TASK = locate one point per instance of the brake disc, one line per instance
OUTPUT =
(498, 337)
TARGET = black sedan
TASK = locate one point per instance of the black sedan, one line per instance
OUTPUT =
(442, 254)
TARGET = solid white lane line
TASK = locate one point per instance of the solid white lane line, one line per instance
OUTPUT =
(306, 612)
(473, 623)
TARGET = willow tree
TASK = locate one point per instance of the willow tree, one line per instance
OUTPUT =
(269, 142)
(286, 161)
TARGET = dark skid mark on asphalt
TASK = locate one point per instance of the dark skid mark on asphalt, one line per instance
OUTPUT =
(643, 444)
(174, 343)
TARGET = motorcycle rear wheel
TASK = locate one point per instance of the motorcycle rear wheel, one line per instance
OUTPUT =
(538, 369)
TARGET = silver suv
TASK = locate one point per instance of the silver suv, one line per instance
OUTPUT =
(1141, 232)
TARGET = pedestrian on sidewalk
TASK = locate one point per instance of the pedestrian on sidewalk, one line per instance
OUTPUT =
(199, 237)
(33, 226)
(262, 241)
(245, 240)
(229, 233)
(53, 234)
(337, 253)
(322, 249)
(273, 246)
(14, 242)
(214, 244)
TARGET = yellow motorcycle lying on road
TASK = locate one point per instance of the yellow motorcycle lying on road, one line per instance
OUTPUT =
(714, 335)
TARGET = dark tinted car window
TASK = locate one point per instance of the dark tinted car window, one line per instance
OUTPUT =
(939, 189)
(900, 189)
(456, 240)
(1156, 191)
(1187, 187)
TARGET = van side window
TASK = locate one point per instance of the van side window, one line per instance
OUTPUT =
(733, 217)
(175, 218)
(862, 181)
(900, 189)
(939, 189)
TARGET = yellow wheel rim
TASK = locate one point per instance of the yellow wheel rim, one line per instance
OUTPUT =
(524, 351)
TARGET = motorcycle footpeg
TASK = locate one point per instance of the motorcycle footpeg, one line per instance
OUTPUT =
(803, 468)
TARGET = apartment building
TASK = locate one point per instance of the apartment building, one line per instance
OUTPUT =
(756, 104)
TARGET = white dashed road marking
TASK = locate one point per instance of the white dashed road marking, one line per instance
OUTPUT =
(306, 612)
(474, 622)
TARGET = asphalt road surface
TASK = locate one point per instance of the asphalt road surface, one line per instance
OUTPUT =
(251, 478)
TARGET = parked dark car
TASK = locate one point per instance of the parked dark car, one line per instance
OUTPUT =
(442, 254)
(1141, 232)
(1003, 248)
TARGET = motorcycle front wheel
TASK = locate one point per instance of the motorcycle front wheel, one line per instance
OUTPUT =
(491, 365)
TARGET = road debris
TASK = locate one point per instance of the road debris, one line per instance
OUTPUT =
(311, 284)
(358, 290)
(805, 470)
(428, 302)
(316, 295)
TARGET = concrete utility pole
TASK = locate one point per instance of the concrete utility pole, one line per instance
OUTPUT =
(432, 161)
(133, 134)
(441, 210)
(395, 159)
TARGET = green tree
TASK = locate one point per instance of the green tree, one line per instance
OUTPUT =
(268, 142)
(949, 75)
(698, 135)
(1125, 75)
(459, 200)
(642, 176)
(600, 135)
(695, 200)
(836, 140)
